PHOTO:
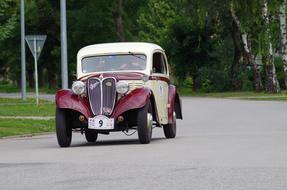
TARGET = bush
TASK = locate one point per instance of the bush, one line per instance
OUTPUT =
(245, 77)
(212, 80)
(280, 71)
(185, 86)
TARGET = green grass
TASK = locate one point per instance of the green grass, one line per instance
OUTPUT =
(238, 95)
(18, 107)
(8, 88)
(9, 127)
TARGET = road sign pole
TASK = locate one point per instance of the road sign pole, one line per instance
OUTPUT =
(23, 53)
(64, 65)
(36, 43)
(36, 71)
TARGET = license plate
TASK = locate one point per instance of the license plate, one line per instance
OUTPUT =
(101, 122)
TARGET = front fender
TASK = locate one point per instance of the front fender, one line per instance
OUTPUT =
(65, 99)
(134, 100)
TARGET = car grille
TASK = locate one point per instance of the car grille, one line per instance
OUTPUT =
(102, 95)
(133, 85)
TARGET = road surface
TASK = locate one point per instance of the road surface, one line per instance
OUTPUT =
(221, 145)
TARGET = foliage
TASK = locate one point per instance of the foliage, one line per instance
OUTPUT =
(8, 18)
(154, 21)
(280, 71)
(196, 34)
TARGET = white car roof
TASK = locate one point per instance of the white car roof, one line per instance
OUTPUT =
(120, 47)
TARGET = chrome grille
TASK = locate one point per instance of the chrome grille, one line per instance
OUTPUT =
(102, 95)
(109, 95)
(133, 85)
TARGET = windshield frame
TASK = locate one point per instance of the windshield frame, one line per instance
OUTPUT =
(133, 54)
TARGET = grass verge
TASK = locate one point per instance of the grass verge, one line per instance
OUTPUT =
(8, 88)
(18, 107)
(25, 127)
(240, 95)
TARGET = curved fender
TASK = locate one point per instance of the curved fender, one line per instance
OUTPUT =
(67, 100)
(134, 100)
(174, 104)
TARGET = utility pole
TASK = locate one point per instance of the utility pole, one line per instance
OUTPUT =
(23, 53)
(64, 65)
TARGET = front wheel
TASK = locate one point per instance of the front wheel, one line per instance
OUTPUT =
(144, 122)
(63, 131)
(170, 128)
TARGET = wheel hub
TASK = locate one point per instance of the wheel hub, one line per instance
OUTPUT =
(149, 120)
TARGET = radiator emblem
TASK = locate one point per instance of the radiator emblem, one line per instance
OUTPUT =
(92, 86)
(108, 84)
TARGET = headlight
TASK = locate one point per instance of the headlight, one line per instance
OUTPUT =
(122, 87)
(78, 87)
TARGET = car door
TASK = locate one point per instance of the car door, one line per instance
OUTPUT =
(160, 83)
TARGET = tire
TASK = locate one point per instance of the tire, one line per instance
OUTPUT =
(91, 136)
(170, 129)
(63, 131)
(144, 122)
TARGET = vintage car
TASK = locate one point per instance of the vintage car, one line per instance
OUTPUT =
(119, 87)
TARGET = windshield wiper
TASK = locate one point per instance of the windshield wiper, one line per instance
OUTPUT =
(131, 53)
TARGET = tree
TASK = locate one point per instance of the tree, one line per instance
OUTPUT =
(8, 18)
(154, 21)
(119, 21)
(272, 84)
(282, 19)
(242, 45)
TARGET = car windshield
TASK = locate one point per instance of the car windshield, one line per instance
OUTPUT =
(118, 62)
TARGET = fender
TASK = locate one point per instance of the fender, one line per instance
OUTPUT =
(175, 104)
(66, 99)
(134, 100)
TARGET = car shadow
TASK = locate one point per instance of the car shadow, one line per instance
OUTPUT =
(117, 142)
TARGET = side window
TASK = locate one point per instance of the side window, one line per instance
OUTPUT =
(158, 63)
(165, 63)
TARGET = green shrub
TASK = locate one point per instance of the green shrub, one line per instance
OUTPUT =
(279, 71)
(212, 80)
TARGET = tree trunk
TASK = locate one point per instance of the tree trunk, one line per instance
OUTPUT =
(251, 61)
(31, 80)
(247, 54)
(282, 19)
(236, 83)
(41, 76)
(52, 80)
(272, 84)
(119, 21)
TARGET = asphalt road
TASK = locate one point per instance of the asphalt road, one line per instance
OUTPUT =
(221, 144)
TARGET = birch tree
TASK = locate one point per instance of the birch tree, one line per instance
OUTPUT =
(283, 48)
(243, 45)
(272, 84)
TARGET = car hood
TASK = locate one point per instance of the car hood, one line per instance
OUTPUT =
(118, 76)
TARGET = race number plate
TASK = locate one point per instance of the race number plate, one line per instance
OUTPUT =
(101, 122)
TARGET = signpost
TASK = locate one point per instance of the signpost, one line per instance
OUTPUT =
(36, 43)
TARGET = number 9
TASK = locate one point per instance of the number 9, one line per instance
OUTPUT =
(101, 123)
